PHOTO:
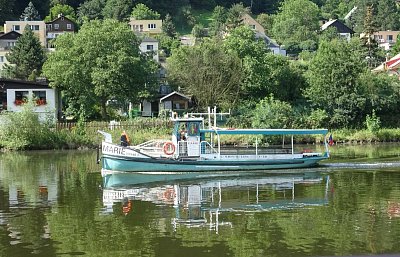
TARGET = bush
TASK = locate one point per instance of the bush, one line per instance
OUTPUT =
(271, 113)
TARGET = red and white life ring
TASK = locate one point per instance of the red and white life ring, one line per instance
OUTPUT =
(169, 148)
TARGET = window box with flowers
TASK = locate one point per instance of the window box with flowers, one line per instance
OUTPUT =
(19, 102)
(41, 102)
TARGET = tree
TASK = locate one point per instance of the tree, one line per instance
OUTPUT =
(272, 113)
(373, 53)
(333, 81)
(58, 9)
(208, 73)
(296, 25)
(266, 21)
(99, 63)
(117, 9)
(235, 15)
(199, 31)
(6, 10)
(142, 12)
(30, 13)
(388, 15)
(218, 18)
(91, 10)
(26, 57)
(168, 27)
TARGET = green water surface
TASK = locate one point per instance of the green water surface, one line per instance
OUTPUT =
(56, 204)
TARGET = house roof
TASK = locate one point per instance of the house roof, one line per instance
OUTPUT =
(58, 18)
(174, 93)
(22, 84)
(391, 64)
(340, 26)
(266, 39)
(10, 35)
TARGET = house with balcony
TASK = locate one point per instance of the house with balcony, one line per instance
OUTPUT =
(7, 41)
(15, 93)
(146, 27)
(386, 39)
(341, 28)
(57, 27)
(38, 28)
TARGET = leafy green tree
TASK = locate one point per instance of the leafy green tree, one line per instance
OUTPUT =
(266, 21)
(99, 63)
(142, 12)
(91, 10)
(235, 15)
(272, 113)
(26, 57)
(199, 31)
(6, 10)
(396, 47)
(117, 9)
(58, 9)
(203, 4)
(208, 73)
(167, 44)
(337, 9)
(264, 72)
(388, 15)
(30, 13)
(168, 27)
(296, 23)
(382, 92)
(333, 81)
(217, 24)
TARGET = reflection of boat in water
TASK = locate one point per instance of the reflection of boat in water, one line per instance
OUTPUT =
(196, 148)
(200, 201)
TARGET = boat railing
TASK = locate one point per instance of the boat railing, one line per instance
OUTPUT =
(152, 147)
(182, 148)
(207, 148)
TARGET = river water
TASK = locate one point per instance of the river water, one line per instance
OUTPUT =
(58, 204)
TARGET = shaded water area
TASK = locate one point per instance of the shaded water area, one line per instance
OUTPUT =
(58, 204)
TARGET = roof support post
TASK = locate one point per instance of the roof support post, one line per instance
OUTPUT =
(292, 146)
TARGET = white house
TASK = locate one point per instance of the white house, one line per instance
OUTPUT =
(15, 93)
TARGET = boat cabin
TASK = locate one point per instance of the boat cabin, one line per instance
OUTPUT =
(186, 136)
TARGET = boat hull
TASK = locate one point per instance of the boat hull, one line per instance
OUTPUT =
(153, 164)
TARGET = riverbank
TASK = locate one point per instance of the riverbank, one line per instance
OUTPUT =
(23, 131)
(84, 136)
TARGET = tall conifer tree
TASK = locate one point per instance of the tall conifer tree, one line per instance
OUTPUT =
(26, 57)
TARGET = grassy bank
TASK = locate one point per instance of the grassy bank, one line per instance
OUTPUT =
(23, 131)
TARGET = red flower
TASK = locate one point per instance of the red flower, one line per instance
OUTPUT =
(41, 102)
(19, 102)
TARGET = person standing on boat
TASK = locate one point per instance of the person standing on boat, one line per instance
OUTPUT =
(124, 139)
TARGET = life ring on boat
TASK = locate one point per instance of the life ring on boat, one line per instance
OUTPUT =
(169, 148)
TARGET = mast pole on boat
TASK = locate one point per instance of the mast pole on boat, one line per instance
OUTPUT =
(292, 145)
(256, 147)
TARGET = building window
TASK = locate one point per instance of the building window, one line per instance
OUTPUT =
(40, 97)
(56, 26)
(253, 27)
(69, 26)
(151, 26)
(21, 97)
(150, 47)
(10, 44)
(390, 38)
(1, 58)
(16, 27)
(34, 27)
(141, 27)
